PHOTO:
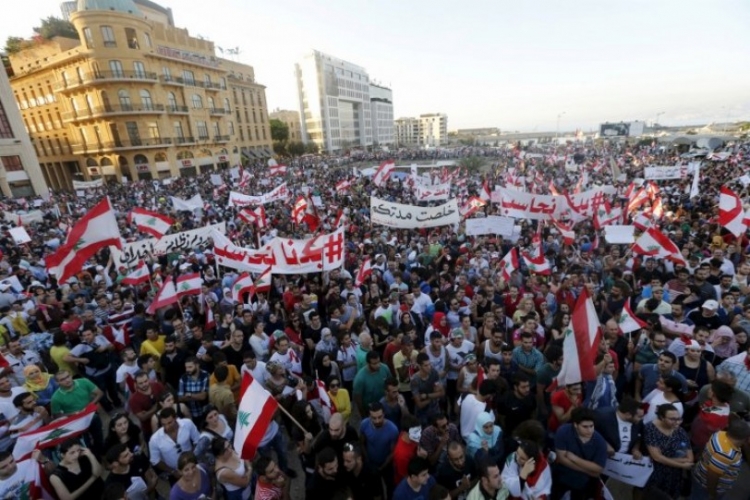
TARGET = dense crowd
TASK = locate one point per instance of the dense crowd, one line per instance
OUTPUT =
(441, 374)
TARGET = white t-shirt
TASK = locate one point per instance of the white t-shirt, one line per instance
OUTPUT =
(456, 356)
(624, 429)
(470, 410)
(17, 486)
(259, 373)
(124, 370)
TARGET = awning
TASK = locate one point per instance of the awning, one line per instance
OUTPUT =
(252, 153)
(269, 153)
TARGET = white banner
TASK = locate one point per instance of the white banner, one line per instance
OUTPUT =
(88, 184)
(19, 235)
(433, 193)
(216, 180)
(185, 241)
(26, 217)
(659, 173)
(490, 225)
(628, 470)
(401, 216)
(285, 256)
(619, 235)
(236, 199)
(523, 205)
(194, 203)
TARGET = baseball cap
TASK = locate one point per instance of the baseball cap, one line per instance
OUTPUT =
(710, 304)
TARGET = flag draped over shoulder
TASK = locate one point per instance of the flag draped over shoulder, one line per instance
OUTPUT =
(53, 433)
(255, 413)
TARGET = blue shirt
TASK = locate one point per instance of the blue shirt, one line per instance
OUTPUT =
(380, 442)
(404, 492)
(595, 450)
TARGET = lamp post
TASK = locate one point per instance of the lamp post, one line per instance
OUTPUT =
(557, 131)
(657, 118)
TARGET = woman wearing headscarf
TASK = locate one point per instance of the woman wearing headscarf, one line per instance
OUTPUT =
(440, 324)
(485, 441)
(723, 343)
(41, 384)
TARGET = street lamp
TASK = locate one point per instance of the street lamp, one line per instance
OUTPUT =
(657, 117)
(557, 131)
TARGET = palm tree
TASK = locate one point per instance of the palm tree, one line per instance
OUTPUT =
(472, 164)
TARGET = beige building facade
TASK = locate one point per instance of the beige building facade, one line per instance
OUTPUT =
(429, 130)
(291, 119)
(136, 98)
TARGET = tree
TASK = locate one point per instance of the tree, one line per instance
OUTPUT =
(279, 130)
(54, 26)
(14, 44)
(312, 148)
(472, 164)
(279, 147)
(296, 148)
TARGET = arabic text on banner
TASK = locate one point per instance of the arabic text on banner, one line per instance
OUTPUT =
(628, 470)
(88, 184)
(402, 216)
(661, 173)
(490, 225)
(323, 252)
(433, 193)
(194, 203)
(26, 217)
(523, 205)
(185, 241)
(281, 192)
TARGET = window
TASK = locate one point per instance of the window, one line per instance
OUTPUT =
(230, 127)
(88, 37)
(252, 99)
(227, 108)
(147, 37)
(207, 80)
(167, 73)
(84, 138)
(108, 35)
(172, 100)
(146, 99)
(188, 77)
(242, 136)
(178, 130)
(264, 133)
(197, 101)
(124, 97)
(133, 134)
(217, 130)
(5, 131)
(223, 82)
(210, 102)
(116, 68)
(153, 130)
(140, 69)
(132, 38)
(202, 130)
(12, 163)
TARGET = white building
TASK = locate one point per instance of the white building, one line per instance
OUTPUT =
(429, 130)
(335, 103)
(20, 173)
(381, 110)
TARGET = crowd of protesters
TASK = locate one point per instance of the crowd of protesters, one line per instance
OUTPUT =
(439, 370)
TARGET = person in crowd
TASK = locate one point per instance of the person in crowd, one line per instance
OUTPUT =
(581, 454)
(720, 461)
(526, 473)
(621, 427)
(174, 437)
(79, 473)
(232, 473)
(272, 483)
(131, 470)
(668, 446)
(418, 482)
(193, 482)
(326, 478)
(122, 430)
(458, 472)
(379, 437)
(490, 485)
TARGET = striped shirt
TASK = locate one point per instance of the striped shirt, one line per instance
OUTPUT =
(721, 457)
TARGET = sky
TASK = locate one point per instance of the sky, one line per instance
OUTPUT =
(516, 65)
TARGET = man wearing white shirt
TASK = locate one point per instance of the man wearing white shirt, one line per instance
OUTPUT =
(256, 369)
(30, 416)
(94, 352)
(18, 359)
(286, 357)
(129, 367)
(176, 435)
(422, 301)
(472, 405)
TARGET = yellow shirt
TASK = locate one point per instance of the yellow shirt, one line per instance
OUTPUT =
(343, 403)
(233, 377)
(58, 353)
(154, 348)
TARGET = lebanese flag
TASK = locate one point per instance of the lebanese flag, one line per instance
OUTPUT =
(657, 208)
(244, 283)
(383, 173)
(246, 215)
(54, 433)
(256, 216)
(569, 236)
(364, 271)
(628, 321)
(138, 276)
(508, 264)
(472, 206)
(344, 185)
(300, 210)
(254, 415)
(654, 243)
(652, 190)
(731, 213)
(642, 222)
(485, 194)
(150, 222)
(311, 217)
(264, 281)
(37, 481)
(118, 336)
(167, 295)
(325, 399)
(579, 344)
(277, 170)
(96, 230)
(637, 200)
(210, 321)
(189, 284)
(244, 177)
(537, 265)
(341, 219)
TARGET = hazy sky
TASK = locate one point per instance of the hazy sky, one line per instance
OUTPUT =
(509, 64)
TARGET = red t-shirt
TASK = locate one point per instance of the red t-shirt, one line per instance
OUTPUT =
(390, 351)
(139, 402)
(402, 454)
(559, 398)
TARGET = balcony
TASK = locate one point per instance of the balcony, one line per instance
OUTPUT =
(183, 140)
(121, 145)
(213, 86)
(171, 80)
(221, 138)
(107, 76)
(203, 137)
(100, 111)
(220, 111)
(175, 110)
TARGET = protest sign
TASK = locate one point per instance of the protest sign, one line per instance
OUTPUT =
(183, 242)
(628, 470)
(401, 216)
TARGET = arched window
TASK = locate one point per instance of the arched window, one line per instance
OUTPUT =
(124, 97)
(172, 100)
(146, 99)
(227, 108)
(197, 101)
(210, 101)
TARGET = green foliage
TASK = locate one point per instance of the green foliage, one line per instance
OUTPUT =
(296, 148)
(54, 26)
(14, 44)
(312, 148)
(279, 130)
(472, 164)
(279, 147)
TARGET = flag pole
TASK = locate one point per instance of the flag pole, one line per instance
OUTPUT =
(286, 412)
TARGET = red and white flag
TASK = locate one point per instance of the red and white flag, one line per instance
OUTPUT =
(472, 206)
(254, 415)
(537, 265)
(364, 271)
(189, 284)
(485, 193)
(210, 320)
(579, 344)
(244, 177)
(508, 264)
(642, 222)
(654, 243)
(637, 200)
(255, 216)
(277, 170)
(243, 284)
(166, 296)
(36, 483)
(54, 433)
(264, 281)
(153, 223)
(300, 210)
(341, 219)
(343, 186)
(325, 399)
(731, 213)
(138, 276)
(383, 173)
(311, 217)
(96, 230)
(569, 236)
(628, 321)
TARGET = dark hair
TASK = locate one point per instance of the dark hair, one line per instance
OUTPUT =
(249, 355)
(167, 413)
(221, 372)
(325, 456)
(437, 417)
(185, 458)
(218, 357)
(530, 430)
(519, 378)
(484, 467)
(372, 356)
(18, 399)
(488, 388)
(661, 410)
(670, 355)
(218, 445)
(114, 452)
(376, 407)
(722, 391)
(530, 448)
(737, 428)
(262, 463)
(439, 492)
(421, 358)
(580, 415)
(114, 491)
(5, 454)
(673, 383)
(68, 444)
(133, 432)
(408, 421)
(628, 405)
(417, 465)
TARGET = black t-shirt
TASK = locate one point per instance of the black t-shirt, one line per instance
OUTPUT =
(138, 468)
(450, 478)
(515, 410)
(366, 486)
(324, 441)
(234, 357)
(322, 487)
(312, 334)
(174, 367)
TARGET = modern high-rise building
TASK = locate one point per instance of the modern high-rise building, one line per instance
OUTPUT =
(136, 97)
(291, 119)
(381, 110)
(20, 174)
(429, 130)
(335, 102)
